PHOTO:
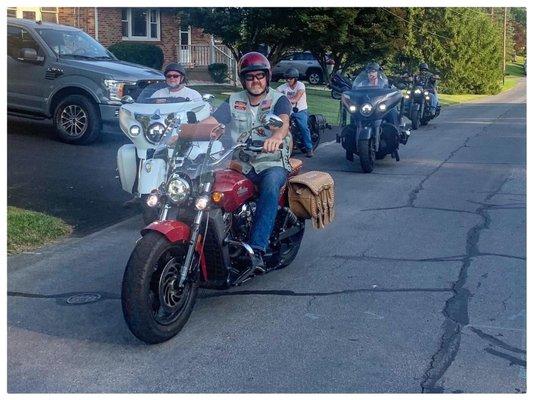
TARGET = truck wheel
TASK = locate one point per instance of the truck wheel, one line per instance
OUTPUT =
(77, 120)
(314, 77)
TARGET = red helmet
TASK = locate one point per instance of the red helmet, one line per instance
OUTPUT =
(254, 61)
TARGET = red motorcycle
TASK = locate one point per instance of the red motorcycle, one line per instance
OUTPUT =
(200, 237)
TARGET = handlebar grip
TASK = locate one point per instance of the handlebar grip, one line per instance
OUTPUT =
(259, 149)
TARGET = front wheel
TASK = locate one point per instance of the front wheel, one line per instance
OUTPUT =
(154, 307)
(367, 154)
(415, 118)
(77, 120)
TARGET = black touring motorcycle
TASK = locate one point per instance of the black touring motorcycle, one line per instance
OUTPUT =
(417, 102)
(367, 134)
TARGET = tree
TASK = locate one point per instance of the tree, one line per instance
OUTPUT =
(244, 29)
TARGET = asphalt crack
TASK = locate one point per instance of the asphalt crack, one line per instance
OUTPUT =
(456, 307)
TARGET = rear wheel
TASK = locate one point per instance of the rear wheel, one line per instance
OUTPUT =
(314, 77)
(154, 307)
(367, 154)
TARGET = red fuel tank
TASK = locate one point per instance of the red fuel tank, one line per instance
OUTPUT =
(235, 187)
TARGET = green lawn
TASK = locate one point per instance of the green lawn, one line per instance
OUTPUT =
(27, 230)
(318, 101)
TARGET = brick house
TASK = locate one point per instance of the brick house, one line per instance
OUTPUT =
(159, 26)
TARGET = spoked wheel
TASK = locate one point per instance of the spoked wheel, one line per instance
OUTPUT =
(154, 306)
(367, 154)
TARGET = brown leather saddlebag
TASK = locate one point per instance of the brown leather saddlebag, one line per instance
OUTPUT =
(312, 196)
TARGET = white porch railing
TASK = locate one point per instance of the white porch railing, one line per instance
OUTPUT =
(197, 55)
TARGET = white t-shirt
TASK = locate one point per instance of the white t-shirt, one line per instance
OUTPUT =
(291, 93)
(184, 92)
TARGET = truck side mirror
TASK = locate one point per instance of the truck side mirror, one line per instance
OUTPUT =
(29, 55)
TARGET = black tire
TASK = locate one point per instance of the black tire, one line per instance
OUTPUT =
(77, 120)
(150, 214)
(367, 155)
(315, 138)
(315, 77)
(288, 249)
(424, 121)
(151, 270)
(415, 119)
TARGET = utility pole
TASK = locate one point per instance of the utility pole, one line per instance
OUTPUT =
(504, 38)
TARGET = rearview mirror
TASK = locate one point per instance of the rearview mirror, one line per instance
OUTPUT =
(208, 97)
(335, 95)
(271, 121)
(127, 99)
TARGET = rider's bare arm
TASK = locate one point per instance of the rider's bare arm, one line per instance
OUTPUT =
(272, 143)
(297, 96)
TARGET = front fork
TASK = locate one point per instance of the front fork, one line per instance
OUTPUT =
(195, 232)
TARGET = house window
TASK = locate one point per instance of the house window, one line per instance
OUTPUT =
(49, 14)
(12, 12)
(140, 24)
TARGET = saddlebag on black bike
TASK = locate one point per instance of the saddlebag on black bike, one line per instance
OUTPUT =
(312, 196)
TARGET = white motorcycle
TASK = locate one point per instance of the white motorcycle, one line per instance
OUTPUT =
(144, 122)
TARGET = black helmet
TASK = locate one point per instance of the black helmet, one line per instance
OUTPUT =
(175, 67)
(291, 73)
(423, 67)
(373, 66)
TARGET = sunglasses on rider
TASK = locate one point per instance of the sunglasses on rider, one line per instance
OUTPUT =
(251, 77)
(169, 76)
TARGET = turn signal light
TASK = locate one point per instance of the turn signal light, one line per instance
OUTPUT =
(217, 197)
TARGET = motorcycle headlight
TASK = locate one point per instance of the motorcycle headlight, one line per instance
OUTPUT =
(406, 96)
(155, 132)
(366, 109)
(178, 190)
(348, 104)
(426, 93)
(408, 92)
(135, 130)
(201, 203)
(418, 91)
(382, 107)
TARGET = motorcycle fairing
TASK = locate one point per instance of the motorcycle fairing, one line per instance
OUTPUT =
(127, 166)
(151, 175)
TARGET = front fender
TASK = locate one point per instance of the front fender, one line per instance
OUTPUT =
(365, 133)
(174, 231)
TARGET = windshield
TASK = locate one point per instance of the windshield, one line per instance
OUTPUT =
(159, 93)
(75, 44)
(370, 80)
(191, 156)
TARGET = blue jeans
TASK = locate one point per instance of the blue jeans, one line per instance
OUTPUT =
(270, 181)
(301, 118)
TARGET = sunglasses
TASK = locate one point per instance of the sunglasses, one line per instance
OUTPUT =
(169, 76)
(251, 77)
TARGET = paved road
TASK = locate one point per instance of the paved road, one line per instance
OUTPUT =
(75, 183)
(419, 285)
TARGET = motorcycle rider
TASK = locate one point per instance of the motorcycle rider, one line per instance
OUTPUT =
(175, 78)
(269, 169)
(428, 81)
(295, 91)
(376, 78)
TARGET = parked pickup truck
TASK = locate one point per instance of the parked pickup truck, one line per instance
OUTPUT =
(61, 73)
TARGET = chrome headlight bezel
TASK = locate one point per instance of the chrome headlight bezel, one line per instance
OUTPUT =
(178, 189)
(154, 133)
(366, 109)
(418, 91)
(382, 107)
(135, 130)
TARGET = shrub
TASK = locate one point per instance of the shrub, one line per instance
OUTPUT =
(218, 71)
(139, 53)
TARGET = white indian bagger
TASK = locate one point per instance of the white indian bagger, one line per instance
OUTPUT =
(144, 122)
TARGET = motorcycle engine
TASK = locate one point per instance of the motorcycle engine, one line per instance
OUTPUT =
(242, 222)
